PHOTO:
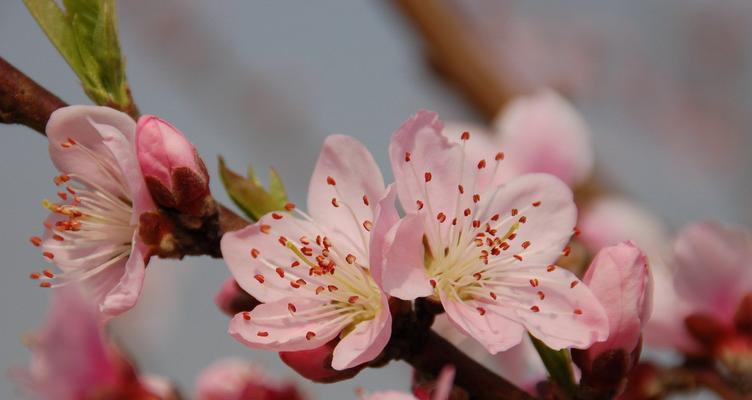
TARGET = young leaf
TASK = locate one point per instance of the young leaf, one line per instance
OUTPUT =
(249, 193)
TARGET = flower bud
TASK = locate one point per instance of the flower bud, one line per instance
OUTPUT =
(316, 364)
(620, 279)
(234, 379)
(232, 299)
(174, 173)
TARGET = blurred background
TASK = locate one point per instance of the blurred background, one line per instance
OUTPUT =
(666, 88)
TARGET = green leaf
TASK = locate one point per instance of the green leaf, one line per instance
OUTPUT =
(559, 366)
(249, 194)
(85, 34)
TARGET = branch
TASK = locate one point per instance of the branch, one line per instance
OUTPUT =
(23, 101)
(456, 53)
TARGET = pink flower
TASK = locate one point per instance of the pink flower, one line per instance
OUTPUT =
(485, 251)
(312, 272)
(73, 360)
(174, 173)
(92, 233)
(316, 364)
(620, 278)
(441, 390)
(234, 379)
(541, 132)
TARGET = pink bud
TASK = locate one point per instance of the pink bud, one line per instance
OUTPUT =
(316, 364)
(234, 379)
(174, 173)
(231, 299)
(620, 278)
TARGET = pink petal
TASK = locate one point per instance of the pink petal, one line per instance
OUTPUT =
(75, 122)
(389, 395)
(444, 384)
(544, 133)
(404, 274)
(420, 140)
(161, 148)
(553, 305)
(125, 156)
(226, 379)
(366, 341)
(273, 326)
(549, 214)
(385, 216)
(124, 295)
(237, 248)
(666, 326)
(620, 278)
(712, 267)
(346, 172)
(483, 144)
(495, 332)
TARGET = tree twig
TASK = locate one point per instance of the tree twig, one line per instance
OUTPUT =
(23, 101)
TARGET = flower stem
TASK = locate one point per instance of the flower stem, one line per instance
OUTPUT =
(559, 367)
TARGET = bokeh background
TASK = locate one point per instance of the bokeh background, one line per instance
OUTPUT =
(665, 86)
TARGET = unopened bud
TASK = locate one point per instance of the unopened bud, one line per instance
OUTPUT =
(232, 299)
(316, 364)
(174, 173)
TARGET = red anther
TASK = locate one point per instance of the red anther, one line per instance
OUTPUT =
(352, 299)
(541, 295)
(477, 276)
(265, 228)
(454, 221)
(433, 283)
(320, 289)
(62, 195)
(301, 282)
(70, 190)
(534, 282)
(318, 240)
(367, 225)
(332, 288)
(525, 244)
(36, 240)
(294, 264)
(420, 204)
(461, 189)
(467, 212)
(295, 285)
(499, 156)
(304, 240)
(259, 278)
(276, 215)
(482, 164)
(365, 200)
(535, 309)
(551, 268)
(504, 245)
(282, 240)
(60, 179)
(427, 176)
(495, 217)
(310, 335)
(254, 253)
(71, 141)
(441, 217)
(262, 333)
(523, 219)
(350, 258)
(307, 251)
(334, 202)
(476, 223)
(576, 231)
(246, 316)
(48, 255)
(48, 273)
(536, 204)
(577, 311)
(291, 307)
(518, 257)
(407, 156)
(566, 251)
(280, 271)
(493, 295)
(465, 135)
(573, 284)
(476, 198)
(512, 236)
(330, 181)
(35, 275)
(289, 206)
(45, 284)
(514, 212)
(481, 310)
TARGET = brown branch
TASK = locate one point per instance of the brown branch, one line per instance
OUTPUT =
(23, 101)
(456, 53)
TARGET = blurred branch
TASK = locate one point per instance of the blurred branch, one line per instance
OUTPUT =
(456, 53)
(23, 101)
